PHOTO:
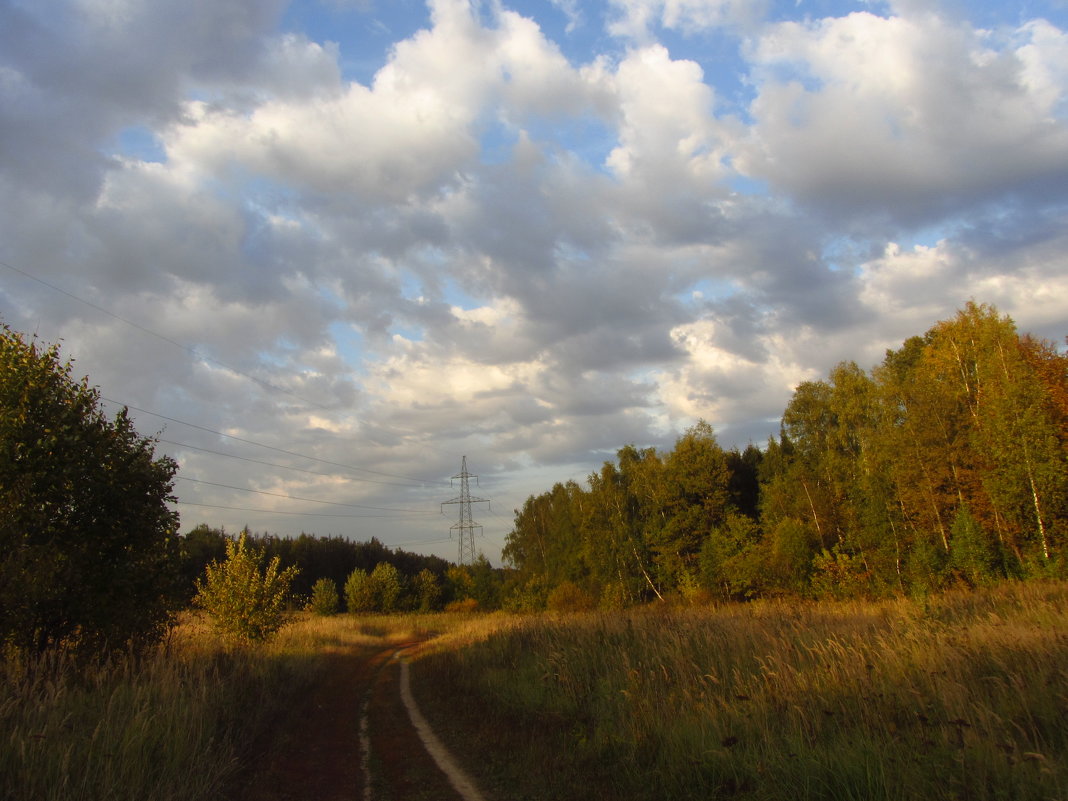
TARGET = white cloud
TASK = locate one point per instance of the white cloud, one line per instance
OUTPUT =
(729, 389)
(902, 118)
(637, 19)
(497, 249)
(1044, 57)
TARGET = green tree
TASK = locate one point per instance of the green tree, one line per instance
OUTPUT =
(88, 550)
(245, 594)
(732, 560)
(459, 584)
(324, 598)
(359, 592)
(427, 590)
(691, 499)
(387, 586)
(973, 553)
(485, 584)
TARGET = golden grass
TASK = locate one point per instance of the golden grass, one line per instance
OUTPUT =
(172, 725)
(965, 697)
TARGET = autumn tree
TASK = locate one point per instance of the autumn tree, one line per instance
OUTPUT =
(359, 592)
(427, 591)
(386, 585)
(246, 593)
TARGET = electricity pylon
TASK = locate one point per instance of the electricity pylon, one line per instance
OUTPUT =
(466, 526)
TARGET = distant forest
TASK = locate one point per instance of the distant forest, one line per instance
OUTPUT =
(316, 557)
(945, 464)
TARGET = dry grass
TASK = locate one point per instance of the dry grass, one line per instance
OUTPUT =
(174, 725)
(965, 697)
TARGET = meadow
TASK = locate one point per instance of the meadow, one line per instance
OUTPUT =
(180, 723)
(959, 696)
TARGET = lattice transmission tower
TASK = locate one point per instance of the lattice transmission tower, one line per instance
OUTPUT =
(465, 525)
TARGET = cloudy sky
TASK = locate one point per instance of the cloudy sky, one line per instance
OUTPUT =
(326, 248)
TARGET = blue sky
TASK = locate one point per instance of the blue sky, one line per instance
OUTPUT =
(369, 238)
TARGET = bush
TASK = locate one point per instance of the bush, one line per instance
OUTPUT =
(88, 547)
(245, 598)
(426, 590)
(569, 597)
(465, 606)
(324, 598)
(359, 592)
(387, 586)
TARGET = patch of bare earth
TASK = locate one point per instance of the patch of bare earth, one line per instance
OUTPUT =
(315, 754)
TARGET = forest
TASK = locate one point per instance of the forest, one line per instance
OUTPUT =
(946, 464)
(426, 582)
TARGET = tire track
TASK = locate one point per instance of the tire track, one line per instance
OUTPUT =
(461, 782)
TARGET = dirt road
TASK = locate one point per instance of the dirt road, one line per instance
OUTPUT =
(318, 754)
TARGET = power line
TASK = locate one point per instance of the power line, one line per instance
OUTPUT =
(298, 498)
(301, 514)
(271, 447)
(280, 466)
(192, 351)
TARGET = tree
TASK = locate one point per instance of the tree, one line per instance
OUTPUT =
(88, 550)
(386, 585)
(427, 590)
(691, 501)
(324, 598)
(359, 592)
(245, 594)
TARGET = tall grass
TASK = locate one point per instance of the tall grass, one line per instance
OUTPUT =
(964, 696)
(172, 725)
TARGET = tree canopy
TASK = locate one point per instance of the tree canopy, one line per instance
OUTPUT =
(947, 462)
(87, 539)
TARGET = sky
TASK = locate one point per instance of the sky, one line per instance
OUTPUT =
(325, 249)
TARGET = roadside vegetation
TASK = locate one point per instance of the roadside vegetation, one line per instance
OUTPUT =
(964, 695)
(177, 722)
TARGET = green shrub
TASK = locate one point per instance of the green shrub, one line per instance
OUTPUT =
(359, 592)
(387, 586)
(324, 598)
(245, 597)
(427, 590)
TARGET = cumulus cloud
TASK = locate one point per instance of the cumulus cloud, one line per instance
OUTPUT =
(495, 249)
(905, 119)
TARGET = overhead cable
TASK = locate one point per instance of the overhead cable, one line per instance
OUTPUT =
(193, 351)
(297, 498)
(421, 515)
(271, 447)
(280, 466)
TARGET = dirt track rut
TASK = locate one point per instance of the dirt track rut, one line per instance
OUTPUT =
(315, 754)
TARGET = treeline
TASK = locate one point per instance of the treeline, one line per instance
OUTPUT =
(421, 581)
(947, 463)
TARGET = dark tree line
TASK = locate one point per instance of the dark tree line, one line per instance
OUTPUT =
(946, 463)
(421, 577)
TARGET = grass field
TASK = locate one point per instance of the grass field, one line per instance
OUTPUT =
(174, 725)
(961, 697)
(964, 696)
